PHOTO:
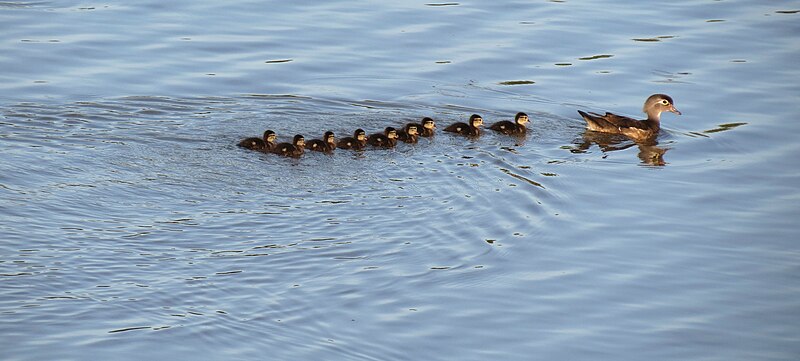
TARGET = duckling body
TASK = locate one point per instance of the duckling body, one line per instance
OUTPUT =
(357, 142)
(387, 139)
(267, 144)
(327, 144)
(633, 128)
(426, 128)
(517, 127)
(471, 130)
(294, 149)
(408, 134)
(253, 144)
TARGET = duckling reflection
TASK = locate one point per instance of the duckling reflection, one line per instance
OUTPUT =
(649, 151)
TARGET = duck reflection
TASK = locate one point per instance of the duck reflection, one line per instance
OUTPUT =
(649, 151)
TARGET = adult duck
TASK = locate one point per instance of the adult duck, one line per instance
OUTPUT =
(633, 128)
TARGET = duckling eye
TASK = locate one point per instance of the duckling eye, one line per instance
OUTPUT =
(664, 102)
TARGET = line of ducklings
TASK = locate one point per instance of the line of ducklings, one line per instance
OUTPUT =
(410, 133)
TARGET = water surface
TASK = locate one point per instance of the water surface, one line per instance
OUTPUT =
(132, 226)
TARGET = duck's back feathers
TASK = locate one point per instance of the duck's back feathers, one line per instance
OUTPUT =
(617, 124)
(508, 127)
(253, 144)
(457, 127)
(463, 129)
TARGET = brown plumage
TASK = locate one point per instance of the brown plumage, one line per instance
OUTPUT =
(294, 149)
(409, 134)
(426, 128)
(357, 141)
(632, 128)
(327, 144)
(471, 130)
(517, 127)
(387, 139)
(267, 144)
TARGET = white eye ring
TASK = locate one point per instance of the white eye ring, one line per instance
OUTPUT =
(664, 102)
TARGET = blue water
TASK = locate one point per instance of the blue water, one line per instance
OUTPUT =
(132, 227)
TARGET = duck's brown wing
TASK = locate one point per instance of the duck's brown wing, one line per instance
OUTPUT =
(609, 123)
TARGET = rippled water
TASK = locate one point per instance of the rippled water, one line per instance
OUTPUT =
(132, 227)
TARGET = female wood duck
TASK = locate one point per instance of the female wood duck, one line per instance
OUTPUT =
(358, 141)
(387, 139)
(327, 144)
(426, 127)
(517, 127)
(267, 144)
(632, 128)
(471, 130)
(409, 134)
(295, 149)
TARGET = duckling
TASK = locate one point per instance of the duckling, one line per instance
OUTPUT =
(517, 127)
(267, 144)
(387, 139)
(253, 144)
(632, 128)
(426, 128)
(409, 134)
(295, 149)
(327, 144)
(471, 130)
(358, 141)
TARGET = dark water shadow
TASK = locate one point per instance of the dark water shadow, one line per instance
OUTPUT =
(650, 153)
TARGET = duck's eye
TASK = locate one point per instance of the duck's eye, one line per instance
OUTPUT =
(664, 102)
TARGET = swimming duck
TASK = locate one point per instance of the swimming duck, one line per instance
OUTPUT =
(472, 129)
(426, 128)
(632, 128)
(358, 141)
(326, 144)
(409, 134)
(295, 149)
(516, 127)
(387, 139)
(267, 144)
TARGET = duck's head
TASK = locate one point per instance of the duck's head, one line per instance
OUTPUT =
(475, 120)
(269, 136)
(411, 129)
(521, 118)
(299, 141)
(390, 133)
(360, 134)
(328, 137)
(658, 103)
(428, 123)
